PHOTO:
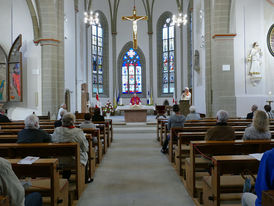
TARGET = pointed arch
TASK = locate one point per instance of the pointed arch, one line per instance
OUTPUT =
(100, 56)
(166, 56)
(142, 60)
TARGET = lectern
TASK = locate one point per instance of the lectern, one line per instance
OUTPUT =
(184, 107)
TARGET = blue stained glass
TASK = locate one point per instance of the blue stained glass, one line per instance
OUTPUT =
(131, 72)
(165, 88)
(171, 87)
(94, 88)
(171, 44)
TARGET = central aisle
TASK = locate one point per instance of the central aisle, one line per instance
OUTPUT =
(134, 172)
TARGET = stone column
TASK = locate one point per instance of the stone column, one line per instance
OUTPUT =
(220, 83)
(114, 64)
(51, 19)
(150, 35)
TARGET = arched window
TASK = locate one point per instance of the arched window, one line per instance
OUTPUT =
(99, 49)
(166, 54)
(131, 73)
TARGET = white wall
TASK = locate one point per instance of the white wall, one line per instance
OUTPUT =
(15, 19)
(252, 18)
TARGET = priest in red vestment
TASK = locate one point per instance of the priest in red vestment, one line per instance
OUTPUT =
(135, 100)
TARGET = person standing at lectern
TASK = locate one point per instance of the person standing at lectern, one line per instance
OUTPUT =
(186, 95)
(135, 100)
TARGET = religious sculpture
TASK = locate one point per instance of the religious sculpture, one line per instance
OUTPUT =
(134, 20)
(255, 60)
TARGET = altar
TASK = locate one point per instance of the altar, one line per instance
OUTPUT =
(135, 113)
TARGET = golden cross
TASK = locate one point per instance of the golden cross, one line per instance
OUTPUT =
(134, 18)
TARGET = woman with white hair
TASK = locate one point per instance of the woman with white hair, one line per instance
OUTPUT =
(259, 128)
(69, 133)
(31, 133)
(193, 115)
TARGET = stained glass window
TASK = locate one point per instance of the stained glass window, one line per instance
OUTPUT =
(97, 59)
(131, 73)
(168, 65)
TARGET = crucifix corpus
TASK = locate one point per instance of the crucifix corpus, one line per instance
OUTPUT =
(134, 18)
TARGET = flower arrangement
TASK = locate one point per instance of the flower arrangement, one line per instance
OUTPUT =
(108, 108)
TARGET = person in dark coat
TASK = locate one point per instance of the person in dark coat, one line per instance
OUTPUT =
(97, 117)
(253, 109)
(222, 131)
(31, 133)
(58, 123)
(3, 117)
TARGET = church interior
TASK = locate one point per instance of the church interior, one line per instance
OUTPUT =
(143, 84)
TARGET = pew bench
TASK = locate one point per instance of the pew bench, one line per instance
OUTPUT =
(196, 163)
(49, 150)
(268, 198)
(52, 186)
(226, 165)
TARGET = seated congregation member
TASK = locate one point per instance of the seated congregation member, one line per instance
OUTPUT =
(97, 117)
(11, 186)
(264, 180)
(3, 117)
(87, 123)
(63, 107)
(193, 115)
(176, 120)
(259, 128)
(253, 109)
(69, 133)
(267, 109)
(31, 133)
(221, 131)
(58, 123)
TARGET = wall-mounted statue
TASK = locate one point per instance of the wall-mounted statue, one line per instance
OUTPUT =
(197, 61)
(254, 59)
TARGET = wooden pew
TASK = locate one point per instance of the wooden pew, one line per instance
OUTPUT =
(213, 148)
(4, 200)
(91, 152)
(226, 165)
(43, 168)
(105, 131)
(15, 131)
(268, 198)
(184, 139)
(158, 129)
(95, 132)
(45, 150)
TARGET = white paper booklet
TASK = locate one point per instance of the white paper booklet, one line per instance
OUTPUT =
(257, 156)
(28, 160)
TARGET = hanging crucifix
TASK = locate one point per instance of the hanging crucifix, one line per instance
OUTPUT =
(134, 20)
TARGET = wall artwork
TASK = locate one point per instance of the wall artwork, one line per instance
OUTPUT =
(3, 76)
(15, 71)
(270, 40)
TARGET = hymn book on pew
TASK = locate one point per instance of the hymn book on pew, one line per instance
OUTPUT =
(257, 156)
(28, 160)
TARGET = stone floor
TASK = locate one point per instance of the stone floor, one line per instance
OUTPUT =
(134, 172)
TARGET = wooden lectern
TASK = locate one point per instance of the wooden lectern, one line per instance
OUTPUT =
(184, 107)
